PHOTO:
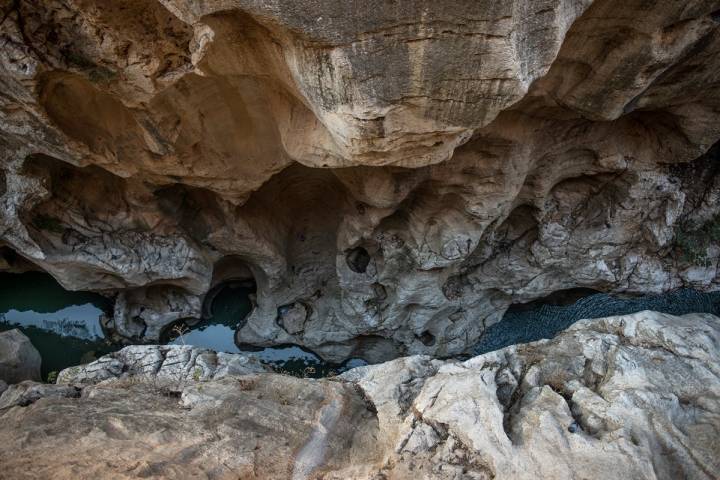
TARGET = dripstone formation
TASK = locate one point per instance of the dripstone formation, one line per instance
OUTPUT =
(392, 175)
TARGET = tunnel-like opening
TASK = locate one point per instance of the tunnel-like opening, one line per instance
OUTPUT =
(357, 259)
(225, 307)
(12, 262)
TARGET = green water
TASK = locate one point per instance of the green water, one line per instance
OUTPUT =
(64, 326)
(229, 309)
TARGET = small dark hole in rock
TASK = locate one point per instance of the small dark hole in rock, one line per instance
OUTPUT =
(427, 338)
(574, 427)
(358, 259)
(8, 255)
(172, 393)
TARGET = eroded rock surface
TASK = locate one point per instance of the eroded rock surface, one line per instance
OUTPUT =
(632, 396)
(27, 392)
(167, 363)
(628, 397)
(392, 176)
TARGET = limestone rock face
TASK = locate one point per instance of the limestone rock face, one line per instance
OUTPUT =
(167, 363)
(19, 359)
(608, 398)
(391, 175)
(621, 397)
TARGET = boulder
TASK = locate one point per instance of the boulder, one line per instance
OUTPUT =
(19, 359)
(165, 363)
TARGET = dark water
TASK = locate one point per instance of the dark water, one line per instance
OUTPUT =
(536, 321)
(230, 306)
(64, 326)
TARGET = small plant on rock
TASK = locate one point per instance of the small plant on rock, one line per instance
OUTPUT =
(52, 376)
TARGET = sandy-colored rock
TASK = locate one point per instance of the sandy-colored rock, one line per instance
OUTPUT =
(19, 359)
(401, 173)
(608, 398)
(632, 396)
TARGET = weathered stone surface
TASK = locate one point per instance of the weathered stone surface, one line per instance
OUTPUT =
(402, 173)
(143, 313)
(19, 359)
(238, 427)
(167, 363)
(622, 397)
(28, 392)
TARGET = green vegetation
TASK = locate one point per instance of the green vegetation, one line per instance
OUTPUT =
(692, 244)
(52, 376)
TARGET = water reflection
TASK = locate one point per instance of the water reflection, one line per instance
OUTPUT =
(229, 308)
(64, 326)
(79, 321)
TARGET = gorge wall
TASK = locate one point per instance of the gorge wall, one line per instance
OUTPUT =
(392, 176)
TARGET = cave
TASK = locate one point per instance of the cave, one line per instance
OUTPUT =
(363, 239)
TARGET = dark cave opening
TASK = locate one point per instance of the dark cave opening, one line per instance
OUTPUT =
(225, 308)
(427, 338)
(357, 259)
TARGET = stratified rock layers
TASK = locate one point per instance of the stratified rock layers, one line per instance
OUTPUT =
(392, 175)
(631, 397)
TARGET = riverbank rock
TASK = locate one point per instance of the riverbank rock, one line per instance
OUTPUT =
(19, 359)
(27, 392)
(391, 177)
(622, 397)
(634, 396)
(164, 363)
